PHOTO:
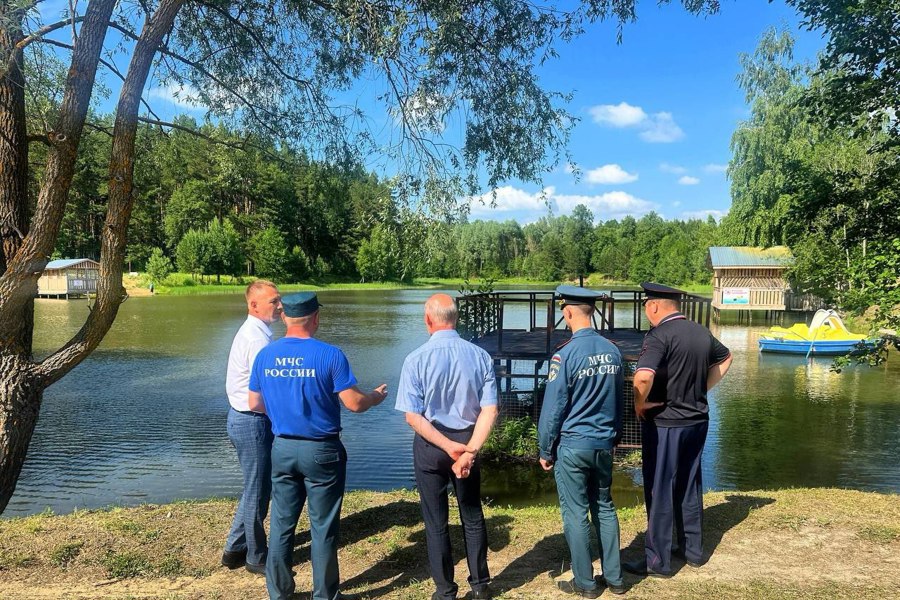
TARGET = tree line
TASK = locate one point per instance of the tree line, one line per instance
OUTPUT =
(208, 208)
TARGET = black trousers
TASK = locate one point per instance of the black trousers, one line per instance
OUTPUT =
(433, 475)
(673, 491)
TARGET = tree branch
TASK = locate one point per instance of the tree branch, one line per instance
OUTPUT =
(39, 137)
(253, 108)
(40, 33)
(244, 145)
(18, 284)
(112, 68)
(110, 293)
(259, 43)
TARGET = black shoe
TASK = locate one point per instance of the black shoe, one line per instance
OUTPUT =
(233, 560)
(569, 587)
(256, 569)
(679, 553)
(483, 593)
(639, 567)
(615, 589)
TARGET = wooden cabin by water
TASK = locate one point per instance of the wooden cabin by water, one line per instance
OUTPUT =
(70, 277)
(747, 278)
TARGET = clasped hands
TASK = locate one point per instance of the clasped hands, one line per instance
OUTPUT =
(464, 457)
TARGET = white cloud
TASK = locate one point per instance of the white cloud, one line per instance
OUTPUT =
(182, 96)
(656, 128)
(618, 115)
(508, 199)
(611, 205)
(703, 214)
(715, 168)
(674, 169)
(688, 180)
(661, 128)
(676, 204)
(610, 175)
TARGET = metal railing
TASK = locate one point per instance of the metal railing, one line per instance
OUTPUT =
(482, 314)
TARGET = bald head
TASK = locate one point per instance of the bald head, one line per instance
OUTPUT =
(440, 312)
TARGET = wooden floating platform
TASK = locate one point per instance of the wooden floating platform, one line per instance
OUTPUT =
(537, 345)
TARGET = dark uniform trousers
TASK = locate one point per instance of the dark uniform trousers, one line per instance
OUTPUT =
(673, 491)
(313, 471)
(433, 474)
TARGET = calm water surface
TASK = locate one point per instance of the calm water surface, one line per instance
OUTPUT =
(143, 419)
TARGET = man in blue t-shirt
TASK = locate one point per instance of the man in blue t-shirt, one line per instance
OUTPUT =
(580, 425)
(300, 383)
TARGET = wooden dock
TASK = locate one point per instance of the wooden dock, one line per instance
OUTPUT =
(521, 330)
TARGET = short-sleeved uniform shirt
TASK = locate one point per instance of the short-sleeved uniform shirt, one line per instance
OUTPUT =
(299, 379)
(584, 395)
(680, 353)
(447, 380)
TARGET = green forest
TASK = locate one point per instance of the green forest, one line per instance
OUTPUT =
(815, 167)
(211, 204)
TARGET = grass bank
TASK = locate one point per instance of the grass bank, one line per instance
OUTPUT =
(179, 284)
(797, 544)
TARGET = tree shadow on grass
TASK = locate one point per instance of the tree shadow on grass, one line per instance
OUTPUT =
(548, 557)
(364, 524)
(717, 521)
(409, 564)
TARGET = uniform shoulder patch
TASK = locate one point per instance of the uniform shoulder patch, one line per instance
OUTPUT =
(554, 371)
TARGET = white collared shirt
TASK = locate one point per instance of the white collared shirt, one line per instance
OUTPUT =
(253, 336)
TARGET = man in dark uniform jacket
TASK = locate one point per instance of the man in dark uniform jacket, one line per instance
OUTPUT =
(580, 425)
(679, 363)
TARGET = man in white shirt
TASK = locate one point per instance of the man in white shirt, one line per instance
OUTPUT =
(250, 432)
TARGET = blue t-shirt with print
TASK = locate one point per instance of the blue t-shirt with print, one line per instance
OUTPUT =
(299, 379)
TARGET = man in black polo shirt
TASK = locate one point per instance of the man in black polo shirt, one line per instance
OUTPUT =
(679, 363)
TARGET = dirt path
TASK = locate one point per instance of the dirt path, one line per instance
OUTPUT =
(798, 544)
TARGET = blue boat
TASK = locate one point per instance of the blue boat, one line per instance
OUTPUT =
(826, 335)
(816, 348)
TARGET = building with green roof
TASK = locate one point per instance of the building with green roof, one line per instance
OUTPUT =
(748, 278)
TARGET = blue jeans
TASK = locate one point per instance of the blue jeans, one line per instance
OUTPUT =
(583, 481)
(251, 436)
(301, 470)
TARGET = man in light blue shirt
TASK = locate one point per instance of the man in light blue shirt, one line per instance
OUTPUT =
(449, 394)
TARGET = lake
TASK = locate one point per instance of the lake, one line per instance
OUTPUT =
(143, 418)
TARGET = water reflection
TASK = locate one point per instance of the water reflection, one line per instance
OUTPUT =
(143, 419)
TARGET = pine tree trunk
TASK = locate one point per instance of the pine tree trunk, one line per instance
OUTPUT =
(20, 402)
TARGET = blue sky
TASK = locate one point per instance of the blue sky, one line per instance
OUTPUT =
(656, 112)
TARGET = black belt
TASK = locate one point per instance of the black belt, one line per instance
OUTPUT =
(249, 412)
(327, 438)
(445, 429)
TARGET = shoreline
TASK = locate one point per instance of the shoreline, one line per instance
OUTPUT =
(135, 288)
(798, 543)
